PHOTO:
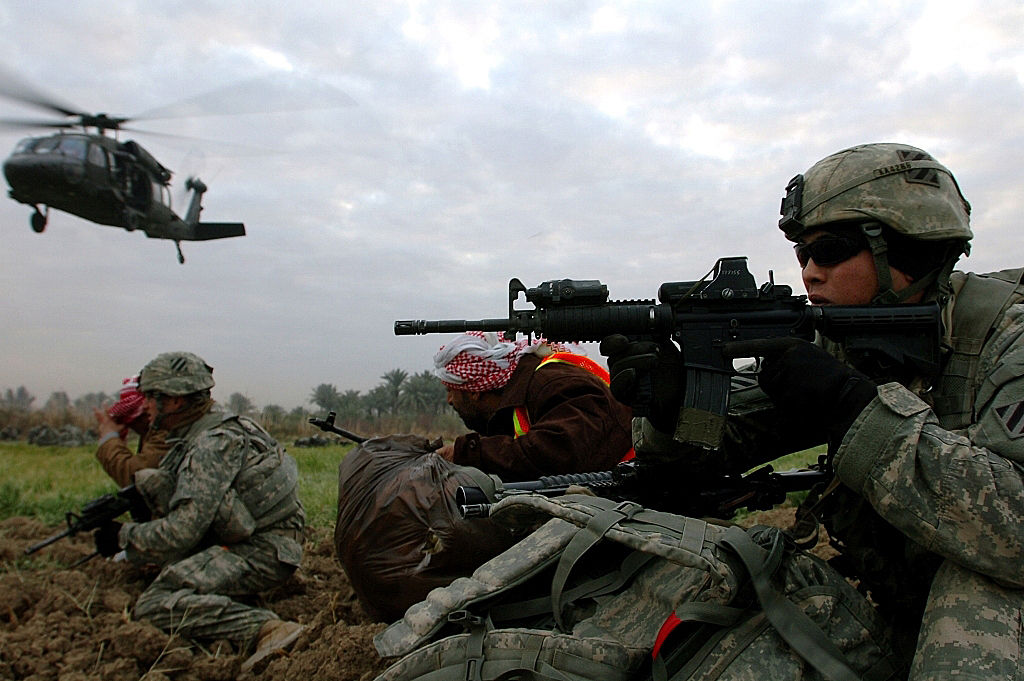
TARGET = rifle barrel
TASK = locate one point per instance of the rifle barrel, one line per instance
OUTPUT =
(50, 540)
(418, 327)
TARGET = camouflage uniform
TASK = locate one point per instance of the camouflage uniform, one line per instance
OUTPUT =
(233, 527)
(929, 513)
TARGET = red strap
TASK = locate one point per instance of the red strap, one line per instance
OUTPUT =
(667, 628)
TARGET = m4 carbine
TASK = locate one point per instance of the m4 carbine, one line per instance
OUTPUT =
(647, 485)
(99, 512)
(726, 305)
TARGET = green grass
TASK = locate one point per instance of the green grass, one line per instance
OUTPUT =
(798, 459)
(47, 481)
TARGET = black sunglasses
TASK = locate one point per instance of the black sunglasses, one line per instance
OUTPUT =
(830, 249)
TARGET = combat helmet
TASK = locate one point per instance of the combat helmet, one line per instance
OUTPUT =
(176, 373)
(895, 185)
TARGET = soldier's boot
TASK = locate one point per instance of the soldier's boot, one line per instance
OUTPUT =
(274, 637)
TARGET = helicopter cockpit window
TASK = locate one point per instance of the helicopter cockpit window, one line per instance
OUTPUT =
(45, 146)
(75, 147)
(97, 156)
(160, 193)
(25, 145)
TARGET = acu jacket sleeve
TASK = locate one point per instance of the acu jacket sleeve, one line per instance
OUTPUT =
(958, 493)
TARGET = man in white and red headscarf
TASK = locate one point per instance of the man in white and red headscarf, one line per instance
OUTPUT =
(114, 424)
(535, 408)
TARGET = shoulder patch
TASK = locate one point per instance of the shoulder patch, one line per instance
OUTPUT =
(1012, 418)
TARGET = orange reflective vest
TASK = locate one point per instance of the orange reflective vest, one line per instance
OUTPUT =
(521, 420)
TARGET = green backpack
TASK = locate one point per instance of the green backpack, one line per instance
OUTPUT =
(607, 591)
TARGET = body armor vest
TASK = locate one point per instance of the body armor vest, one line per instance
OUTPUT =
(265, 490)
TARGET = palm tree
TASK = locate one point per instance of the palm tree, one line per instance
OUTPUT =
(423, 393)
(392, 386)
(325, 396)
(350, 405)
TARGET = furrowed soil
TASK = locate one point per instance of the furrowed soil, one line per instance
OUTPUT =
(60, 623)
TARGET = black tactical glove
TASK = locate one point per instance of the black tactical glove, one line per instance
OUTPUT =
(106, 538)
(812, 389)
(648, 376)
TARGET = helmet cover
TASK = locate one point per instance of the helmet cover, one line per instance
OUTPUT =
(896, 184)
(176, 373)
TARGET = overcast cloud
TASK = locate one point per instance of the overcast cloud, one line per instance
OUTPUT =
(631, 142)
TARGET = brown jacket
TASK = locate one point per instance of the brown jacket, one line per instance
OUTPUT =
(576, 425)
(119, 462)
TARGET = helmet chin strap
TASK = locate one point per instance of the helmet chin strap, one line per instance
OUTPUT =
(886, 294)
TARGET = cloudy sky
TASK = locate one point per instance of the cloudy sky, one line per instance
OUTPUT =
(631, 142)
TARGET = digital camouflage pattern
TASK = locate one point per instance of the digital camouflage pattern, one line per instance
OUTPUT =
(690, 568)
(923, 483)
(234, 527)
(896, 184)
(958, 493)
(972, 629)
(176, 373)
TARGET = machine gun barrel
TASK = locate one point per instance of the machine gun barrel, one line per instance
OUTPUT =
(327, 425)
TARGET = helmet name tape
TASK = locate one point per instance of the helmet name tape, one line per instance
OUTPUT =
(868, 177)
(889, 170)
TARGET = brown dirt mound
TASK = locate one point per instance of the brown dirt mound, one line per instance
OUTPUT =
(60, 624)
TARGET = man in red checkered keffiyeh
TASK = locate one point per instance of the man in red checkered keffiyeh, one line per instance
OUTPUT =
(115, 423)
(536, 408)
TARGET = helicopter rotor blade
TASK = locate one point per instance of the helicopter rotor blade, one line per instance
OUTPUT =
(267, 94)
(226, 148)
(16, 88)
(24, 123)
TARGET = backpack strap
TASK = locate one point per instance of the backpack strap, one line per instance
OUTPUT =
(589, 536)
(795, 627)
(599, 586)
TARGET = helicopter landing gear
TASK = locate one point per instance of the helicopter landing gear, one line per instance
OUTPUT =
(181, 258)
(38, 220)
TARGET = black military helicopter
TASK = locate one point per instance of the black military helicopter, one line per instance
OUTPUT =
(96, 176)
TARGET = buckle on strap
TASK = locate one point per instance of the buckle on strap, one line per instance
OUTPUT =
(477, 629)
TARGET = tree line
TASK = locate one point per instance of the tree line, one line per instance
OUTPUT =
(400, 403)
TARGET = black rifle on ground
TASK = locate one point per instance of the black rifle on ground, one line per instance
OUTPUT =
(702, 316)
(98, 512)
(631, 481)
(327, 425)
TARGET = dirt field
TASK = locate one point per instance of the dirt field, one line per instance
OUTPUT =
(59, 624)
